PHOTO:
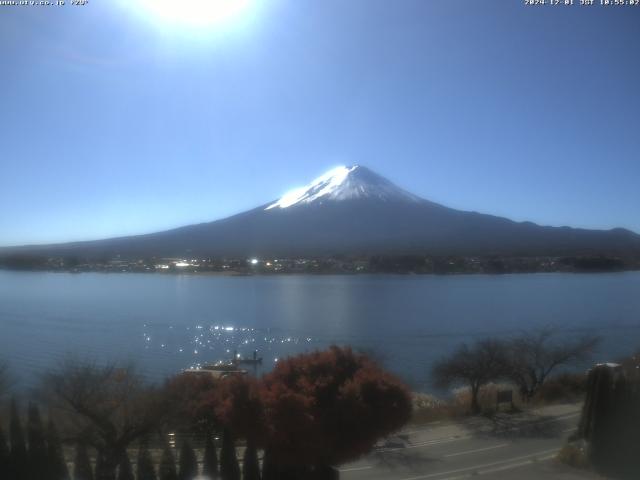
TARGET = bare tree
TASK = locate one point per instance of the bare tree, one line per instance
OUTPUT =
(107, 407)
(473, 366)
(534, 355)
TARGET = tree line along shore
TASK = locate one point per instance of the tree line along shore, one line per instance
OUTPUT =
(339, 264)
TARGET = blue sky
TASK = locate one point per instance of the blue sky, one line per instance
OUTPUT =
(113, 122)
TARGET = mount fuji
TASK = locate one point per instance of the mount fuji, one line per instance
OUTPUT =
(352, 210)
(345, 183)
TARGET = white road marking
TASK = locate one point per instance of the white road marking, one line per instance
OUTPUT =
(355, 469)
(499, 469)
(473, 469)
(498, 466)
(466, 452)
(466, 437)
(456, 438)
(476, 450)
(438, 441)
(428, 429)
(516, 465)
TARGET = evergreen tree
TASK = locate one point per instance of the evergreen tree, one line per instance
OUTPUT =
(107, 463)
(167, 470)
(125, 472)
(269, 468)
(210, 460)
(82, 464)
(229, 468)
(99, 469)
(4, 455)
(188, 462)
(37, 454)
(146, 470)
(251, 466)
(18, 462)
(326, 472)
(55, 454)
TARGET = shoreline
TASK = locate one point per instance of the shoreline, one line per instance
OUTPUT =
(324, 274)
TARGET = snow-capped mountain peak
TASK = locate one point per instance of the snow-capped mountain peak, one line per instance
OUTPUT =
(345, 183)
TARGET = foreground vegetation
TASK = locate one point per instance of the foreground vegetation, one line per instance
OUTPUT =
(560, 389)
(526, 361)
(310, 413)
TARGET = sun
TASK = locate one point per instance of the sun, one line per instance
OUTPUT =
(193, 13)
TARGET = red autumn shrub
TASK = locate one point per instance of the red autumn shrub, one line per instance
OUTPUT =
(329, 407)
(239, 407)
(192, 400)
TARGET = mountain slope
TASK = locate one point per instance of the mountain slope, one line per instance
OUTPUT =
(352, 210)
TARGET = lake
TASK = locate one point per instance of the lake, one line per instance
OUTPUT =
(169, 322)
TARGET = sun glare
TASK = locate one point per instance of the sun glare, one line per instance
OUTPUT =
(194, 13)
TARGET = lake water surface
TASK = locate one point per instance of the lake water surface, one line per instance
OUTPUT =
(169, 322)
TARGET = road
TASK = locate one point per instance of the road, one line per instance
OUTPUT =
(521, 446)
